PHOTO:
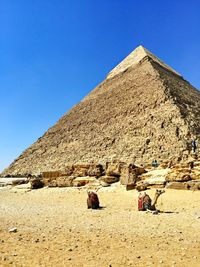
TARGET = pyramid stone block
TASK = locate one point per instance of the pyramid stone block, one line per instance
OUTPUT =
(143, 110)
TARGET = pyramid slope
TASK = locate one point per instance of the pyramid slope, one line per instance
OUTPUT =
(134, 58)
(144, 113)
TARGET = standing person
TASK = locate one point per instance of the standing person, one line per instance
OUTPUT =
(194, 145)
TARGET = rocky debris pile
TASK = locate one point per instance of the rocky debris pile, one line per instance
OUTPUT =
(184, 176)
(94, 174)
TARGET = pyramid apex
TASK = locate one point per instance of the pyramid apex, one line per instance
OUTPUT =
(135, 57)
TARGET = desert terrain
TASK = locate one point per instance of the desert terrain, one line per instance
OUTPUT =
(55, 228)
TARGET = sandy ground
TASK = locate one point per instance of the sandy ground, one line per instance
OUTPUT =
(54, 228)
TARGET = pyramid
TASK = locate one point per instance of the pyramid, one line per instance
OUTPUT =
(142, 110)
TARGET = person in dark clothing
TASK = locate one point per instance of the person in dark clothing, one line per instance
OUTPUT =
(154, 163)
(194, 145)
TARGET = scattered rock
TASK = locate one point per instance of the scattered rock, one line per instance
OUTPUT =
(81, 181)
(12, 230)
(36, 183)
(109, 179)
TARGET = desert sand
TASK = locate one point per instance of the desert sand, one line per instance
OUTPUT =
(55, 228)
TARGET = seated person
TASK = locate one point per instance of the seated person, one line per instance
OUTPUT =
(154, 163)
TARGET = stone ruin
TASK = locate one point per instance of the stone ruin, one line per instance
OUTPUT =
(143, 110)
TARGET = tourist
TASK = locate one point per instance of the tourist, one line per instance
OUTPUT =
(194, 145)
(154, 163)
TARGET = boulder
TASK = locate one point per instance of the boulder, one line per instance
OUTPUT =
(68, 171)
(81, 181)
(178, 185)
(179, 175)
(36, 183)
(141, 186)
(114, 168)
(109, 179)
(130, 187)
(194, 185)
(50, 182)
(130, 174)
(156, 182)
(61, 181)
(19, 182)
(95, 170)
(195, 174)
(104, 184)
(64, 181)
(81, 170)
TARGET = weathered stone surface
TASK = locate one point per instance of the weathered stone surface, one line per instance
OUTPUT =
(130, 174)
(114, 168)
(195, 174)
(194, 185)
(109, 179)
(177, 185)
(95, 170)
(179, 177)
(51, 174)
(159, 174)
(64, 181)
(81, 170)
(36, 183)
(23, 186)
(81, 181)
(68, 170)
(130, 187)
(179, 173)
(50, 182)
(155, 181)
(19, 182)
(144, 111)
(10, 181)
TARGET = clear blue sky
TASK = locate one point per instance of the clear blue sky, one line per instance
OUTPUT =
(53, 52)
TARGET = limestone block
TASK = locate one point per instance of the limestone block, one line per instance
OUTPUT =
(36, 183)
(51, 183)
(109, 179)
(114, 168)
(81, 170)
(68, 171)
(194, 185)
(95, 170)
(130, 174)
(195, 174)
(23, 186)
(81, 181)
(177, 185)
(51, 174)
(179, 175)
(130, 187)
(155, 181)
(64, 181)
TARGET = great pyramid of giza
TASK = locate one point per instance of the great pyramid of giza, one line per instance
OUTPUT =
(143, 110)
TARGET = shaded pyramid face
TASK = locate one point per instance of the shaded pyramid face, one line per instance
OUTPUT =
(141, 111)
